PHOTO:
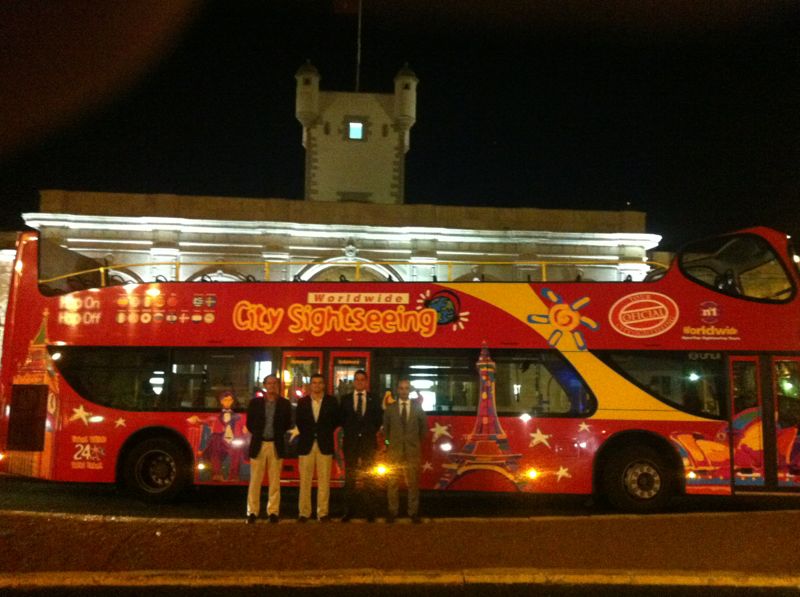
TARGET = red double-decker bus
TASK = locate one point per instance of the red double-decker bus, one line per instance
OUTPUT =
(685, 382)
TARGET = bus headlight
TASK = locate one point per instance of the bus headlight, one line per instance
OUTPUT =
(380, 470)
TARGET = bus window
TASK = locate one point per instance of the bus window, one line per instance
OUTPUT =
(126, 378)
(445, 380)
(62, 270)
(536, 382)
(743, 265)
(691, 381)
(787, 391)
(541, 383)
(199, 376)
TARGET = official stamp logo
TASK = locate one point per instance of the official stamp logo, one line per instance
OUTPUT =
(643, 314)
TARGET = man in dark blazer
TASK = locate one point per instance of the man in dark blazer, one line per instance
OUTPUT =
(317, 417)
(268, 419)
(361, 416)
(405, 426)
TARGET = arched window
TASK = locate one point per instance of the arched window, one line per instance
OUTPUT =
(218, 273)
(348, 268)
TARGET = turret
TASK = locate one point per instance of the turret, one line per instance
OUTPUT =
(405, 98)
(307, 96)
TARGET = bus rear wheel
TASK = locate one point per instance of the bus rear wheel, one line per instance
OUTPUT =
(155, 470)
(638, 479)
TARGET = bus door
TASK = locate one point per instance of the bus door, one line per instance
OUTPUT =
(786, 408)
(747, 422)
(343, 366)
(296, 372)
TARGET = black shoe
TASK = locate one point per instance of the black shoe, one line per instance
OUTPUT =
(416, 519)
(273, 518)
(325, 518)
(302, 519)
(346, 518)
(390, 518)
(251, 519)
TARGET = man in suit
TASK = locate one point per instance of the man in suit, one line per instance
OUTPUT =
(317, 417)
(405, 426)
(361, 415)
(268, 418)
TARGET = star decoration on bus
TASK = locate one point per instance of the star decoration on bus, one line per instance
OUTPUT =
(119, 423)
(80, 413)
(540, 438)
(427, 467)
(564, 318)
(439, 431)
(584, 427)
(447, 305)
(562, 473)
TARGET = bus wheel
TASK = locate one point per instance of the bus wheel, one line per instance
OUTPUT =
(638, 479)
(155, 470)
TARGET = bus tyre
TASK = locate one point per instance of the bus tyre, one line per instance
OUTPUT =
(156, 470)
(638, 479)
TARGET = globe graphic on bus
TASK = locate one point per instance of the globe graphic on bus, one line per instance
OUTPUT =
(444, 306)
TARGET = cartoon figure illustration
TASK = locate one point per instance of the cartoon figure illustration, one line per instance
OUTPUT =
(225, 440)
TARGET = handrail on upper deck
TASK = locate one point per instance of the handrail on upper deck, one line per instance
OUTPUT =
(358, 265)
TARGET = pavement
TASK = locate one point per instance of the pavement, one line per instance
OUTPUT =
(741, 551)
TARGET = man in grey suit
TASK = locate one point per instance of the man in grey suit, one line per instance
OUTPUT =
(405, 427)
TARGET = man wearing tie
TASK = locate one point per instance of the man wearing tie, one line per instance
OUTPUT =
(317, 418)
(405, 426)
(361, 415)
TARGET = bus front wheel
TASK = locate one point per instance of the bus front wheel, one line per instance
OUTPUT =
(155, 470)
(638, 479)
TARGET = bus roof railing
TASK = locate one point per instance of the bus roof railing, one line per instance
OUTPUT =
(440, 270)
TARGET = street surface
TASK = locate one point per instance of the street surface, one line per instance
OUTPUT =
(66, 537)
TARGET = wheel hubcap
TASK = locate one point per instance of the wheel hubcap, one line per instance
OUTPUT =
(156, 471)
(642, 480)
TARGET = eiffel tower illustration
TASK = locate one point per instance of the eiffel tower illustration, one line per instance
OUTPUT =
(37, 369)
(486, 447)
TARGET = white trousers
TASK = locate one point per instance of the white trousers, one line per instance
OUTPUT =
(323, 463)
(268, 460)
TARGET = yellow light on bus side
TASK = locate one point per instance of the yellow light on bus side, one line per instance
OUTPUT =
(531, 473)
(2, 456)
(201, 466)
(380, 470)
(152, 291)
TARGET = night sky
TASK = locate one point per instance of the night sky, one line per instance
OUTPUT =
(685, 110)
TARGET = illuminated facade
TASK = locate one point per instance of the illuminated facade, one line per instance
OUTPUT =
(166, 237)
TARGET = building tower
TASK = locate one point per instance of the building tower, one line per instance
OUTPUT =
(486, 448)
(355, 142)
